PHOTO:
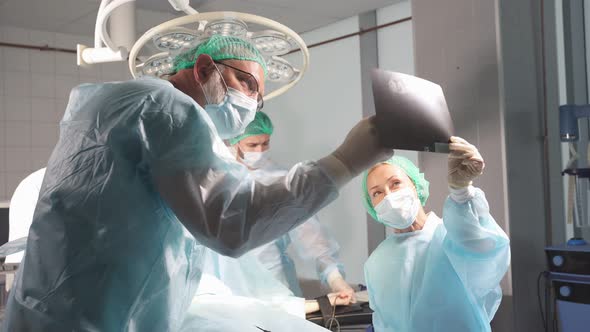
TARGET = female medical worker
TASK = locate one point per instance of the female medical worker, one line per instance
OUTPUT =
(309, 240)
(434, 274)
(140, 182)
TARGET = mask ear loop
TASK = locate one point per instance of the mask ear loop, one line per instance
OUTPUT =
(221, 76)
(222, 81)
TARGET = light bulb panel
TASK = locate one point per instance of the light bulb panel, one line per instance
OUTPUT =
(158, 65)
(271, 43)
(177, 40)
(280, 70)
(227, 27)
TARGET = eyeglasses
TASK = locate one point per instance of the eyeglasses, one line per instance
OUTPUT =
(249, 82)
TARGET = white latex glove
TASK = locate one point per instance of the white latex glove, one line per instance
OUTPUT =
(335, 300)
(339, 299)
(339, 285)
(465, 163)
(360, 150)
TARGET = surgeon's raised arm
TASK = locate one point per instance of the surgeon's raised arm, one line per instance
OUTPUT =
(218, 201)
(227, 210)
(475, 244)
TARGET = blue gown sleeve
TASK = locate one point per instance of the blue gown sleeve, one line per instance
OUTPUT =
(215, 197)
(312, 242)
(477, 247)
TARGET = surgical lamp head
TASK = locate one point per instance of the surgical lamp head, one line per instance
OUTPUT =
(178, 43)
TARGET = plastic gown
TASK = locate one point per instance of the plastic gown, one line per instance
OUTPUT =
(138, 183)
(310, 241)
(445, 277)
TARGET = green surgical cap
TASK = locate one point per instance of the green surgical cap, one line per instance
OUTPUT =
(259, 126)
(220, 48)
(411, 171)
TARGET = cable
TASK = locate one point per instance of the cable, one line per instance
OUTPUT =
(547, 305)
(542, 274)
(555, 326)
(333, 318)
(358, 33)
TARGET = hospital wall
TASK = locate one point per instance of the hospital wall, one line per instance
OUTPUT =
(34, 90)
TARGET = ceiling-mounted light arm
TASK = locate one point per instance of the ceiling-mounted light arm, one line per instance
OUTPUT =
(123, 22)
(97, 25)
(103, 18)
(183, 6)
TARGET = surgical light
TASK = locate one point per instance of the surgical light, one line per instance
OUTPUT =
(180, 34)
(158, 65)
(279, 70)
(271, 42)
(175, 41)
(227, 27)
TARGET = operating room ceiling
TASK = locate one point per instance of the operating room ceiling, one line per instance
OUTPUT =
(78, 16)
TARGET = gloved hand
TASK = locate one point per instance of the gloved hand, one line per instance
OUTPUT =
(465, 163)
(339, 285)
(360, 150)
(336, 299)
(339, 299)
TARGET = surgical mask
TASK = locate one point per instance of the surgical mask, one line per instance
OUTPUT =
(232, 114)
(230, 110)
(398, 209)
(255, 160)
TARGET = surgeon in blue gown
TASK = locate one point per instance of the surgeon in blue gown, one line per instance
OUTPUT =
(434, 274)
(140, 182)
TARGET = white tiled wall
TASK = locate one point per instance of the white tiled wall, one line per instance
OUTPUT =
(34, 91)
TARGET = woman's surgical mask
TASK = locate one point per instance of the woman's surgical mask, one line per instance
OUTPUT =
(398, 209)
(235, 111)
(255, 160)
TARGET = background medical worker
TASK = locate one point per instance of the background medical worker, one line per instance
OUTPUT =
(434, 274)
(310, 240)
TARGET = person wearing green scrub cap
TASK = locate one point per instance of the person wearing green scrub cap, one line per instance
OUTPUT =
(140, 183)
(261, 125)
(411, 170)
(220, 48)
(434, 274)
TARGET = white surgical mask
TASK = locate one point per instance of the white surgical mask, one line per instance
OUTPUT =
(232, 114)
(255, 160)
(398, 209)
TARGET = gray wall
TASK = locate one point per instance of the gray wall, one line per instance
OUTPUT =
(499, 76)
(455, 46)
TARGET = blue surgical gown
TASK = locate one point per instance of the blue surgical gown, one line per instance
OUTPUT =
(138, 183)
(445, 277)
(310, 241)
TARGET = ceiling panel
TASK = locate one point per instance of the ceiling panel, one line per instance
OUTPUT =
(43, 15)
(78, 16)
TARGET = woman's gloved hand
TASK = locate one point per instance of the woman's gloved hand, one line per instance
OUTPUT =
(339, 285)
(465, 163)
